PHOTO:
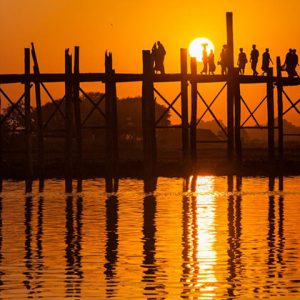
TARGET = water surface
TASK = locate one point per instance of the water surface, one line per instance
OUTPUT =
(205, 237)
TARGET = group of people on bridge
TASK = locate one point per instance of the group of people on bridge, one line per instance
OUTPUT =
(158, 54)
(290, 64)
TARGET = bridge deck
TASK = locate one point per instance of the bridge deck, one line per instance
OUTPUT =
(126, 77)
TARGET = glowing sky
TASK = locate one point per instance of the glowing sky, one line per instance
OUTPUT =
(128, 27)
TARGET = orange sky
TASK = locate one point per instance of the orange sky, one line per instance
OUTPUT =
(127, 27)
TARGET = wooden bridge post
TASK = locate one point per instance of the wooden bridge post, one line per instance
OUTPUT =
(111, 152)
(68, 121)
(40, 130)
(237, 107)
(148, 116)
(77, 115)
(1, 158)
(230, 87)
(184, 108)
(280, 110)
(270, 106)
(28, 158)
(1, 149)
(193, 130)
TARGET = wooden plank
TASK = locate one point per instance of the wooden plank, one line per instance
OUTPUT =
(184, 107)
(68, 122)
(270, 108)
(28, 155)
(193, 127)
(279, 110)
(148, 116)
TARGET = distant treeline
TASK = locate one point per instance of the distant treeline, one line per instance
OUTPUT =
(129, 124)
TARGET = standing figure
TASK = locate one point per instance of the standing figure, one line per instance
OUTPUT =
(242, 60)
(295, 62)
(254, 59)
(288, 63)
(204, 59)
(223, 60)
(161, 52)
(211, 63)
(266, 59)
(154, 57)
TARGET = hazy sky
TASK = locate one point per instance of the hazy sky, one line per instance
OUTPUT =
(128, 27)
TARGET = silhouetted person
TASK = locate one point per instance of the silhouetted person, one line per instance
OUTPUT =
(254, 59)
(154, 56)
(211, 63)
(204, 59)
(242, 60)
(160, 57)
(223, 60)
(289, 64)
(266, 59)
(295, 62)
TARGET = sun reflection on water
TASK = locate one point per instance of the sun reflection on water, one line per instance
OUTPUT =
(206, 255)
(200, 255)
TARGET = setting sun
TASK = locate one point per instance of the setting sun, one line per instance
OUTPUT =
(196, 47)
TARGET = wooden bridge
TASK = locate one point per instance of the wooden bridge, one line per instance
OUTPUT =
(72, 79)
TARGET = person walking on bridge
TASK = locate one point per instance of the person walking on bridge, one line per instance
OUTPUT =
(211, 63)
(242, 60)
(204, 59)
(161, 53)
(158, 55)
(266, 59)
(254, 59)
(223, 60)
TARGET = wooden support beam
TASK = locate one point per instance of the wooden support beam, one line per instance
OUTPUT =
(193, 127)
(28, 130)
(40, 138)
(131, 77)
(270, 107)
(148, 116)
(184, 108)
(230, 87)
(111, 115)
(77, 116)
(237, 109)
(1, 148)
(68, 122)
(280, 110)
(229, 31)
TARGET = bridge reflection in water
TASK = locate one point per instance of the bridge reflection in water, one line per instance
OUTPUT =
(201, 237)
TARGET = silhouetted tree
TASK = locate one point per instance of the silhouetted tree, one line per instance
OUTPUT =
(129, 114)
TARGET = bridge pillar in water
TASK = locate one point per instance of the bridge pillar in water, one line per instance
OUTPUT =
(279, 109)
(28, 129)
(270, 107)
(77, 116)
(193, 127)
(237, 119)
(111, 150)
(184, 108)
(148, 116)
(230, 87)
(68, 121)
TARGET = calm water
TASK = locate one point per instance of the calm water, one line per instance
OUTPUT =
(233, 238)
